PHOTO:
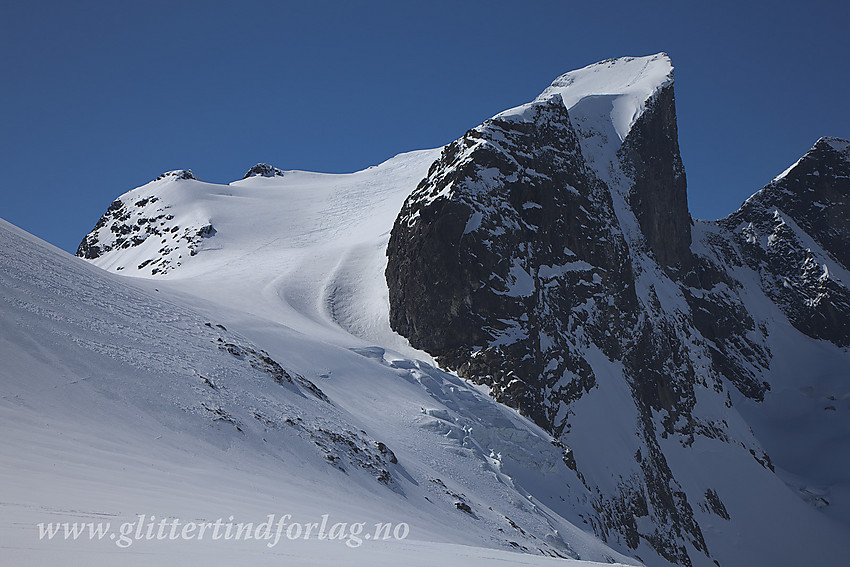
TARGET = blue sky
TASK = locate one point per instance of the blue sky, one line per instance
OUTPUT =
(100, 97)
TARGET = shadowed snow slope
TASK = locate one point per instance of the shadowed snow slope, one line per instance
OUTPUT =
(122, 398)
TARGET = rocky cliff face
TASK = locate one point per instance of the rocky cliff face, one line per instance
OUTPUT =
(508, 222)
(659, 194)
(792, 230)
(816, 192)
(549, 255)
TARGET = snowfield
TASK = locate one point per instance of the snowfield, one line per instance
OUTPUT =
(131, 397)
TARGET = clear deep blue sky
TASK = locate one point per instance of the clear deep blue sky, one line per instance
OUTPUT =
(101, 97)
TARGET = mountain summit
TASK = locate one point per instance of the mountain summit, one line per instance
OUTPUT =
(681, 383)
(550, 255)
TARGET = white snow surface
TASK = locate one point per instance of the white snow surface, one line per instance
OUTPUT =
(625, 84)
(306, 249)
(118, 400)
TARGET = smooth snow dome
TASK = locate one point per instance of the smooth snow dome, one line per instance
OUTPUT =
(309, 246)
(629, 81)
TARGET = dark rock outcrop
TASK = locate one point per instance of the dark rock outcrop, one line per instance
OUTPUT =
(775, 229)
(510, 221)
(815, 193)
(141, 218)
(177, 174)
(263, 170)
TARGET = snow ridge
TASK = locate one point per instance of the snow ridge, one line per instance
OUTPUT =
(626, 83)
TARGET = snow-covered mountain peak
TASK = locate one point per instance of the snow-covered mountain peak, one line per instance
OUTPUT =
(826, 145)
(628, 82)
(263, 170)
(551, 256)
(154, 228)
(829, 156)
(623, 113)
(815, 194)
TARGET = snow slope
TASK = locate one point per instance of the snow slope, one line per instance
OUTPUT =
(122, 398)
(303, 248)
